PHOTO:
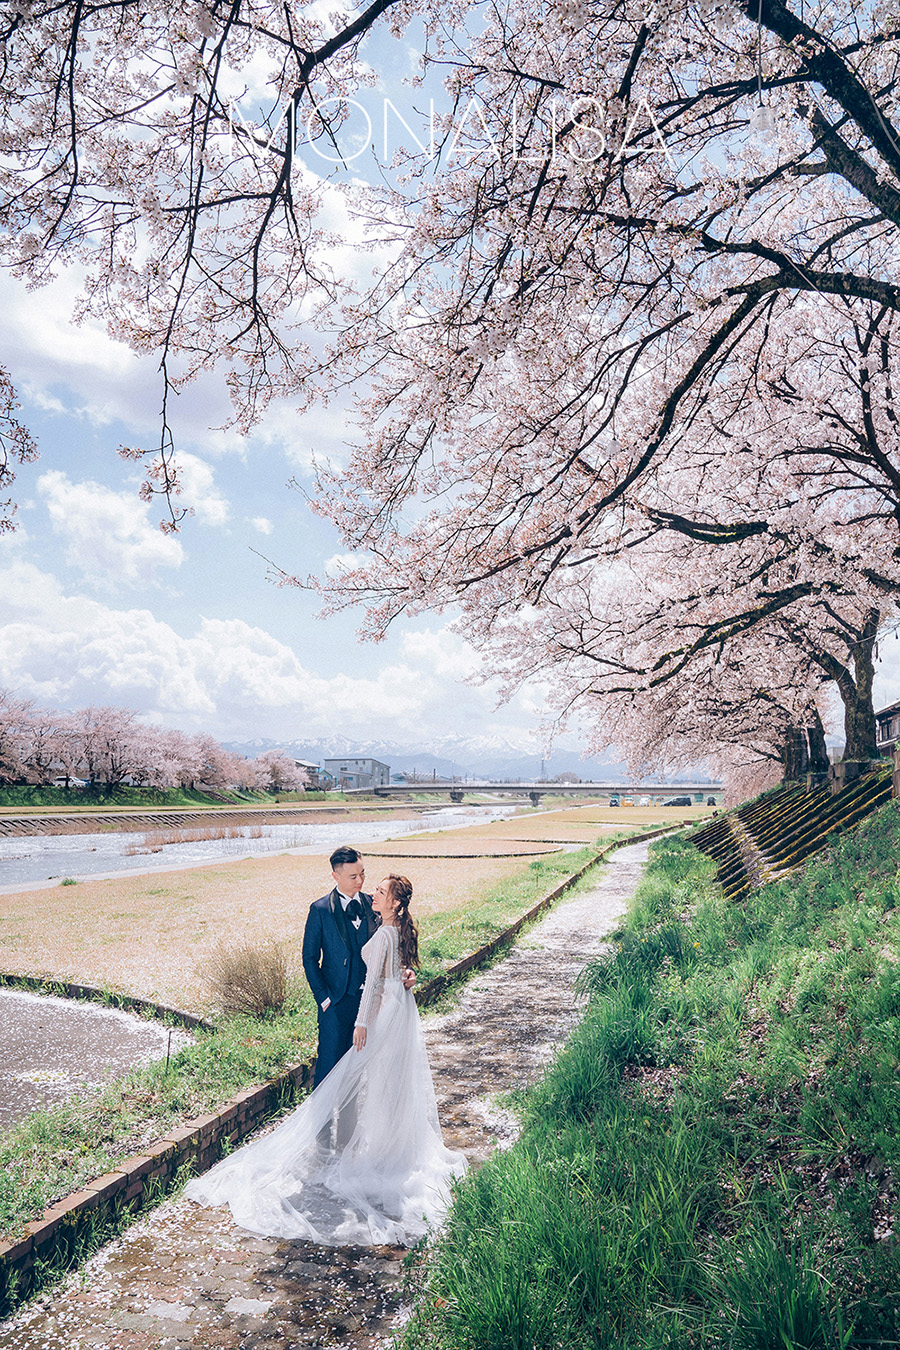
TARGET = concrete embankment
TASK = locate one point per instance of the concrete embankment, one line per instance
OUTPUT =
(90, 822)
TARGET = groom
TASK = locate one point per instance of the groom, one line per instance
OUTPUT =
(337, 928)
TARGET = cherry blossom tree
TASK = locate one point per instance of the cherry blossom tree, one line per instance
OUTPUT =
(45, 744)
(14, 724)
(196, 231)
(638, 195)
(652, 653)
(638, 342)
(215, 765)
(647, 289)
(280, 773)
(109, 745)
(743, 714)
(67, 746)
(114, 746)
(248, 774)
(16, 447)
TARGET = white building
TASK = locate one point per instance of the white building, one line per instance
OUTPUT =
(357, 771)
(887, 728)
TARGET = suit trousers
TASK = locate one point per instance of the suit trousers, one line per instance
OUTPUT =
(335, 1033)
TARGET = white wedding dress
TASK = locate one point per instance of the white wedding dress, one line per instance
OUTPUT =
(361, 1160)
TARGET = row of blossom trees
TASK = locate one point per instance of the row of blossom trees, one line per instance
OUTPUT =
(105, 747)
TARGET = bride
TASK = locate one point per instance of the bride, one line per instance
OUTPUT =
(361, 1160)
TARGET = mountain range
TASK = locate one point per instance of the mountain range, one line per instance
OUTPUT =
(449, 757)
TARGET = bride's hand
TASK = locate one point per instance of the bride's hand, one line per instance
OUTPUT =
(409, 978)
(359, 1037)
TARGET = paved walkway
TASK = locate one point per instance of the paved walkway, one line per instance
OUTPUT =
(184, 1276)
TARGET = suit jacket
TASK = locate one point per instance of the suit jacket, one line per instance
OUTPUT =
(331, 947)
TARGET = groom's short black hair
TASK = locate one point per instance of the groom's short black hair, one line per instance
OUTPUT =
(342, 855)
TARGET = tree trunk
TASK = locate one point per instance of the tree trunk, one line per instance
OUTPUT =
(818, 750)
(855, 688)
(794, 754)
(859, 710)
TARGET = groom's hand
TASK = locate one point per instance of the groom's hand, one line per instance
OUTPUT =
(409, 978)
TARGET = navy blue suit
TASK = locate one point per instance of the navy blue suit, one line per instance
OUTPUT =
(335, 970)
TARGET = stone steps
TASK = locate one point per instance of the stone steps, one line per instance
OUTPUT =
(778, 832)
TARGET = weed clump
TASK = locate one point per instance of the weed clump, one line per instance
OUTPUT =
(248, 979)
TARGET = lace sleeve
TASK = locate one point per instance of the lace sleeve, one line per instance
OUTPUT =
(377, 969)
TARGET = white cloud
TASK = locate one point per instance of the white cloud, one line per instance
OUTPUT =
(262, 524)
(442, 651)
(198, 490)
(308, 439)
(71, 650)
(230, 677)
(339, 563)
(81, 374)
(108, 534)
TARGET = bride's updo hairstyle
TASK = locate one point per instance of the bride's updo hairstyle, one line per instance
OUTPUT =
(401, 891)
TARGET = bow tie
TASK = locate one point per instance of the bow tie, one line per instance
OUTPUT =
(354, 913)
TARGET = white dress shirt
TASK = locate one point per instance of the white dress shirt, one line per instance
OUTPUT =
(345, 901)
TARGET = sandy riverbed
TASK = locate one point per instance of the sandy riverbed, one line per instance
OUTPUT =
(148, 935)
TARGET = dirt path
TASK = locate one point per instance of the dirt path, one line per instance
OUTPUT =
(184, 1276)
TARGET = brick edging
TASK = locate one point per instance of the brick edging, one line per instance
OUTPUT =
(88, 993)
(53, 1237)
(198, 1144)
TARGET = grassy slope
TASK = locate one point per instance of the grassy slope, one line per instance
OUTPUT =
(714, 1159)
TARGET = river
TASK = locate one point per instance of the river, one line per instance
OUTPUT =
(38, 859)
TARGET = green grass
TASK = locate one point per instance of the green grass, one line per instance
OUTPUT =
(714, 1159)
(131, 797)
(140, 798)
(446, 937)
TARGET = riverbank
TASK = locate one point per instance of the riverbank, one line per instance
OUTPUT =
(714, 1159)
(56, 1151)
(25, 799)
(127, 820)
(151, 934)
(187, 1273)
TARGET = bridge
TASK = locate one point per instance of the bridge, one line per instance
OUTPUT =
(698, 792)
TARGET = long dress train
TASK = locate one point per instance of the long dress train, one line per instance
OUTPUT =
(361, 1160)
